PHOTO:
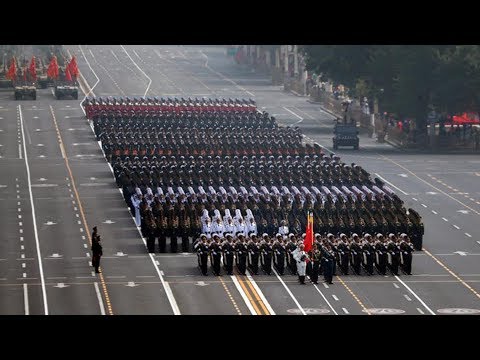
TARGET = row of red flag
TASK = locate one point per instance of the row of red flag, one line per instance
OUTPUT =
(52, 72)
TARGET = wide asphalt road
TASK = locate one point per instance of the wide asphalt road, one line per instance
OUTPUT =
(64, 183)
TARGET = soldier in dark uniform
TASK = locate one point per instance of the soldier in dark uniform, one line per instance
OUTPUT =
(253, 254)
(328, 259)
(241, 255)
(266, 255)
(356, 254)
(381, 255)
(343, 257)
(202, 253)
(315, 260)
(393, 254)
(279, 254)
(97, 252)
(150, 231)
(215, 254)
(290, 248)
(368, 254)
(406, 250)
(228, 254)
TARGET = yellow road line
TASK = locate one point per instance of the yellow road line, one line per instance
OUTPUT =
(249, 296)
(80, 207)
(353, 294)
(254, 292)
(230, 297)
(452, 273)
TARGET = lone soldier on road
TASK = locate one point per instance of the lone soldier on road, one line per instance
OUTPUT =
(96, 252)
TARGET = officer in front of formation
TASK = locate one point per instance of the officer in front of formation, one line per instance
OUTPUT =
(202, 252)
(228, 254)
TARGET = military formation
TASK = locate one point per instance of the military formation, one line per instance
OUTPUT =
(223, 169)
(329, 256)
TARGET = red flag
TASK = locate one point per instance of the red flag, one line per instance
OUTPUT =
(12, 70)
(33, 69)
(72, 65)
(68, 76)
(52, 70)
(308, 242)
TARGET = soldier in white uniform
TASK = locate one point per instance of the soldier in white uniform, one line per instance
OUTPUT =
(218, 227)
(301, 257)
(207, 228)
(283, 230)
(251, 226)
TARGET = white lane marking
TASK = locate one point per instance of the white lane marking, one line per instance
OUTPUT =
(467, 234)
(98, 79)
(40, 265)
(24, 265)
(444, 219)
(243, 295)
(21, 238)
(335, 297)
(478, 242)
(138, 67)
(416, 296)
(420, 311)
(389, 183)
(345, 311)
(22, 256)
(25, 299)
(224, 77)
(19, 209)
(99, 297)
(85, 246)
(407, 297)
(456, 227)
(394, 284)
(415, 199)
(260, 293)
(291, 112)
(20, 231)
(77, 215)
(22, 247)
(290, 293)
(20, 151)
(75, 208)
(24, 275)
(424, 205)
(81, 229)
(326, 286)
(79, 222)
(18, 203)
(433, 211)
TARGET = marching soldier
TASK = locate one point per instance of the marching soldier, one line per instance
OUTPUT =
(215, 254)
(266, 255)
(202, 253)
(253, 254)
(328, 260)
(406, 250)
(356, 254)
(343, 254)
(290, 248)
(150, 232)
(316, 258)
(301, 257)
(393, 254)
(283, 230)
(241, 255)
(279, 254)
(368, 254)
(381, 255)
(228, 254)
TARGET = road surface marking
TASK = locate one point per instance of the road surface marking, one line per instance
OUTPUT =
(345, 311)
(444, 219)
(259, 295)
(433, 211)
(246, 296)
(67, 164)
(335, 298)
(389, 183)
(424, 205)
(416, 296)
(456, 227)
(291, 112)
(420, 311)
(353, 294)
(415, 199)
(326, 286)
(394, 284)
(25, 299)
(99, 297)
(290, 293)
(407, 297)
(39, 256)
(452, 273)
(138, 67)
(230, 297)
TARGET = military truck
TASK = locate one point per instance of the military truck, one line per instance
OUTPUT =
(25, 91)
(65, 89)
(345, 135)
